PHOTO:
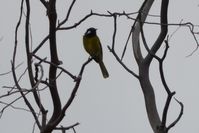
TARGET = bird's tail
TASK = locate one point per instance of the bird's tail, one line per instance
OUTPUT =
(103, 69)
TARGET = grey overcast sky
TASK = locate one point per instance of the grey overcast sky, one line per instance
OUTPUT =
(116, 104)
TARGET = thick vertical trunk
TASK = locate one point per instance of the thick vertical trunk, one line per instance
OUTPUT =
(144, 63)
(52, 15)
(149, 97)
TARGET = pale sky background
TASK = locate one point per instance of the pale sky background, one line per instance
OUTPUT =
(116, 104)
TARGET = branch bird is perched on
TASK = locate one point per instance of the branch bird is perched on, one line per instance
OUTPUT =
(93, 46)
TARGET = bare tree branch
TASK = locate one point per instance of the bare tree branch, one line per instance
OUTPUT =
(136, 29)
(68, 14)
(112, 48)
(10, 92)
(5, 73)
(63, 129)
(115, 30)
(24, 97)
(163, 32)
(125, 46)
(146, 86)
(158, 125)
(9, 104)
(44, 3)
(25, 91)
(29, 58)
(73, 93)
(52, 16)
(179, 116)
(50, 126)
(12, 106)
(145, 43)
(61, 68)
(16, 29)
(170, 94)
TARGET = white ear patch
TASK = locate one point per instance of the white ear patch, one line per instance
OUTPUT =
(88, 32)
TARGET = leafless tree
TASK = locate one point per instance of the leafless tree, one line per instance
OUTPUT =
(36, 72)
(158, 125)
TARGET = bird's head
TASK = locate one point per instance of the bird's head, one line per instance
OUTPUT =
(90, 31)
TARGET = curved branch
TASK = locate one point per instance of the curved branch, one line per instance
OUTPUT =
(136, 29)
(50, 126)
(73, 94)
(29, 58)
(61, 68)
(13, 68)
(163, 32)
(24, 97)
(144, 64)
(68, 14)
(178, 118)
(145, 83)
(112, 49)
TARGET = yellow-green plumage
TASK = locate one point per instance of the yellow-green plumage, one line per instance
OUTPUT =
(93, 46)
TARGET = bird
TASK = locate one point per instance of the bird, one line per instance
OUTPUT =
(93, 47)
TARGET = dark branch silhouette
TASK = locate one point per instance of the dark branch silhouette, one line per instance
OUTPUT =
(34, 67)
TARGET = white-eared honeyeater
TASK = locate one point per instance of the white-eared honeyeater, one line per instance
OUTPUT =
(93, 46)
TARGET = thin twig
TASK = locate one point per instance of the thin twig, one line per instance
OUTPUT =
(112, 50)
(14, 107)
(73, 94)
(115, 30)
(13, 64)
(68, 127)
(2, 74)
(8, 104)
(68, 14)
(23, 96)
(125, 46)
(61, 68)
